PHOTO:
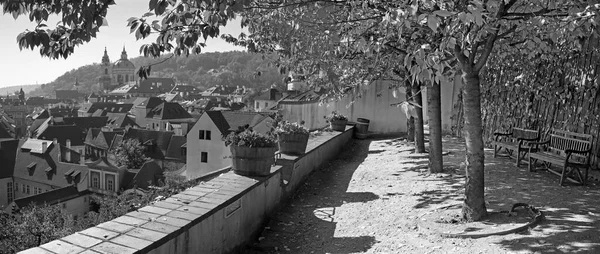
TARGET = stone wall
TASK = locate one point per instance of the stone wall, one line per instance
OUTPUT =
(219, 215)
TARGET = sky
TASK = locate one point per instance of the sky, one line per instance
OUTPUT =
(28, 67)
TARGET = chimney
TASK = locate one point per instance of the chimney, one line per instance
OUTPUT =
(68, 154)
(44, 147)
(81, 157)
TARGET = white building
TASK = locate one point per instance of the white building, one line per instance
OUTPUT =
(206, 150)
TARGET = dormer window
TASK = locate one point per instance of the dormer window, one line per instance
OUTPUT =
(31, 166)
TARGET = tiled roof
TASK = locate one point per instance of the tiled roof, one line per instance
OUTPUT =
(112, 107)
(101, 139)
(174, 150)
(150, 102)
(185, 88)
(228, 121)
(149, 172)
(32, 165)
(120, 120)
(168, 110)
(308, 96)
(161, 140)
(51, 197)
(86, 122)
(62, 133)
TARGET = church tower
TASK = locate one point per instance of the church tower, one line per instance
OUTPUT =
(105, 79)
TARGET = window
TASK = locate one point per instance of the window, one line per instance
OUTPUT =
(204, 157)
(183, 151)
(257, 105)
(9, 193)
(105, 71)
(266, 104)
(64, 205)
(34, 190)
(110, 182)
(23, 189)
(201, 134)
(207, 137)
(95, 176)
(16, 187)
(28, 189)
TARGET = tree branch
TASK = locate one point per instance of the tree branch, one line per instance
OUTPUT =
(487, 50)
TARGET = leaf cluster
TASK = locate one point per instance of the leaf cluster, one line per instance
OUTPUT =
(285, 127)
(335, 116)
(249, 138)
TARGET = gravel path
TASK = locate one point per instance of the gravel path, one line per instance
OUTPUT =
(377, 197)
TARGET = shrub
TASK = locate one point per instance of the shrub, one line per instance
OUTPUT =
(335, 116)
(250, 138)
(290, 128)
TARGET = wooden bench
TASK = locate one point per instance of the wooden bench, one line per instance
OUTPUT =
(567, 150)
(516, 141)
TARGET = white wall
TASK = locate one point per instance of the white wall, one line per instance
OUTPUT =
(373, 104)
(218, 153)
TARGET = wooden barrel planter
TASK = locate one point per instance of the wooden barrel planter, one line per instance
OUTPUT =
(361, 128)
(338, 125)
(252, 161)
(292, 143)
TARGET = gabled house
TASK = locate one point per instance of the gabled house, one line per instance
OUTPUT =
(159, 117)
(144, 107)
(263, 102)
(162, 146)
(206, 150)
(119, 121)
(105, 177)
(99, 142)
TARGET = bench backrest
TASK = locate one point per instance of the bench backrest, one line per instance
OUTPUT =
(525, 133)
(564, 140)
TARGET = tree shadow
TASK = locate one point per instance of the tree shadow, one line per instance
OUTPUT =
(572, 212)
(306, 222)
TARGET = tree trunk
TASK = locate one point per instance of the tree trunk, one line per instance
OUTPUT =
(435, 128)
(410, 123)
(419, 132)
(474, 206)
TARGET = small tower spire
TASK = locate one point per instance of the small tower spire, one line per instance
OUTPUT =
(124, 54)
(105, 59)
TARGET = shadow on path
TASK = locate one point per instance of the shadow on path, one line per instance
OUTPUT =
(306, 224)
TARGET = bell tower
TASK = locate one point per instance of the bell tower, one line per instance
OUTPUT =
(105, 79)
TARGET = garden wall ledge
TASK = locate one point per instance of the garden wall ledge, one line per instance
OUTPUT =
(221, 214)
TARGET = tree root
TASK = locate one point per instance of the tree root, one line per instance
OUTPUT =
(535, 213)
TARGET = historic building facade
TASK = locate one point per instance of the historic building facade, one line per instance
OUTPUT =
(118, 73)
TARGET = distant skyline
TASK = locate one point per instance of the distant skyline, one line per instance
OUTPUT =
(29, 67)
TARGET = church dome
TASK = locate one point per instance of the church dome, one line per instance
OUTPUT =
(123, 64)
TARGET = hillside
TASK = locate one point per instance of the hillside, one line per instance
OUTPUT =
(13, 89)
(205, 70)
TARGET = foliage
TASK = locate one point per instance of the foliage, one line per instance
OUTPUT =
(250, 138)
(130, 153)
(36, 225)
(202, 71)
(290, 128)
(335, 116)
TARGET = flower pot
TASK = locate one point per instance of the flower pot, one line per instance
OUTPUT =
(338, 125)
(292, 143)
(361, 128)
(252, 161)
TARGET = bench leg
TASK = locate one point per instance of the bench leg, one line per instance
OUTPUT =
(495, 150)
(531, 164)
(563, 175)
(518, 157)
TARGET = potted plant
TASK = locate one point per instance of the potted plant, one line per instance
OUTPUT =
(291, 137)
(337, 121)
(252, 153)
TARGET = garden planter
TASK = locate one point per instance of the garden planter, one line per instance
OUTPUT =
(292, 143)
(252, 161)
(361, 128)
(338, 125)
